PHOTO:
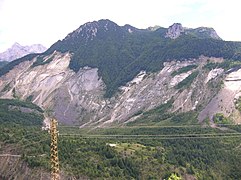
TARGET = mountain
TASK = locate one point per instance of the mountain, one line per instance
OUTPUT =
(170, 98)
(103, 73)
(18, 51)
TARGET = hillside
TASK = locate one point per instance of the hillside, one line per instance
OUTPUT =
(120, 53)
(3, 63)
(102, 73)
(153, 103)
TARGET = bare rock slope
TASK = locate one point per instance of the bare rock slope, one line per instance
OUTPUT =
(77, 98)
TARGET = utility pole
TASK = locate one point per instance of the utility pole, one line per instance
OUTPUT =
(54, 150)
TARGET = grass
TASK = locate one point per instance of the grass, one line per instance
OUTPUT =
(128, 149)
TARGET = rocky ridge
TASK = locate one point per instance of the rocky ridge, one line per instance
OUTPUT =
(176, 30)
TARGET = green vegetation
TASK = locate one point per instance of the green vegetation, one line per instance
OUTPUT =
(16, 102)
(227, 64)
(120, 60)
(3, 63)
(238, 104)
(128, 149)
(28, 141)
(158, 158)
(16, 62)
(146, 130)
(167, 155)
(29, 98)
(120, 55)
(159, 144)
(187, 81)
(184, 69)
(155, 115)
(160, 116)
(184, 118)
(20, 132)
(20, 112)
(219, 118)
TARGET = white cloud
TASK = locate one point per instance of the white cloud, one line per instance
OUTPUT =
(46, 21)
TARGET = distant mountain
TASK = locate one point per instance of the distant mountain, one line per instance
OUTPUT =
(175, 91)
(18, 51)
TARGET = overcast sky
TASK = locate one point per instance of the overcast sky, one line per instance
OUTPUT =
(46, 21)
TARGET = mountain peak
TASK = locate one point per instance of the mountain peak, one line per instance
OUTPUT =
(89, 30)
(174, 31)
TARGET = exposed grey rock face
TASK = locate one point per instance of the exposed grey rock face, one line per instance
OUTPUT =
(203, 32)
(18, 51)
(224, 101)
(77, 98)
(174, 31)
(153, 28)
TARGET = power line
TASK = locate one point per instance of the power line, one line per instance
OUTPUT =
(150, 126)
(179, 136)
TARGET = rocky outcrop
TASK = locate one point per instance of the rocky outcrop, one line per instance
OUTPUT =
(224, 101)
(78, 98)
(205, 32)
(18, 51)
(174, 31)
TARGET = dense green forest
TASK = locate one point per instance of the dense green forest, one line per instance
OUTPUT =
(201, 152)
